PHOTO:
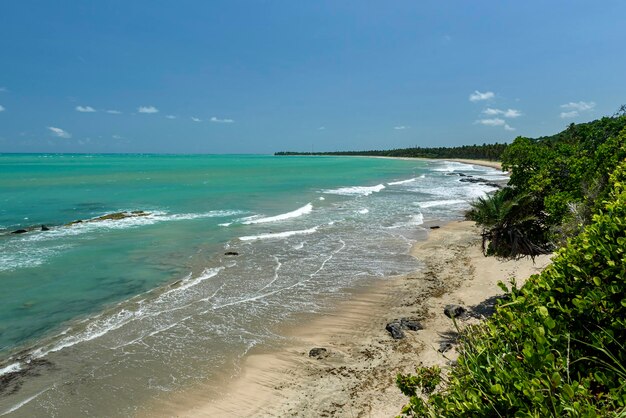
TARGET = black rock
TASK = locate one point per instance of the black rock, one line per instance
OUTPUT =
(445, 346)
(44, 228)
(435, 227)
(453, 311)
(410, 324)
(318, 352)
(473, 180)
(395, 329)
(19, 231)
(231, 253)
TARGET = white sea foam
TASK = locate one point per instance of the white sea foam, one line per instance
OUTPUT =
(277, 235)
(289, 215)
(356, 190)
(94, 330)
(11, 368)
(395, 183)
(22, 403)
(416, 220)
(432, 203)
(188, 281)
(450, 166)
(363, 211)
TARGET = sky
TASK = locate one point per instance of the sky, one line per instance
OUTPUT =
(262, 76)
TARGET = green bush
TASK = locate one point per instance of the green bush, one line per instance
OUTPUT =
(556, 347)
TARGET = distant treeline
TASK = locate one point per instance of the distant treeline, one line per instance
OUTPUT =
(478, 152)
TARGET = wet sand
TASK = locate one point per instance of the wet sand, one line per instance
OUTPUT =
(357, 376)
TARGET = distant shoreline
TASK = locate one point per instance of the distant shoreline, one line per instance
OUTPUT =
(485, 163)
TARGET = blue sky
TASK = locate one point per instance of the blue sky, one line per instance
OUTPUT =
(264, 76)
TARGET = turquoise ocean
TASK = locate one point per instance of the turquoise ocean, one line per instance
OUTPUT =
(101, 317)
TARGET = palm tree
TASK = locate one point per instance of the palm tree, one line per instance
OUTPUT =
(509, 227)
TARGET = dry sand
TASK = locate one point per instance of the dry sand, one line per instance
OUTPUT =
(356, 378)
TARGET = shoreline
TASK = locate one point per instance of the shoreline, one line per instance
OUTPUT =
(485, 163)
(357, 377)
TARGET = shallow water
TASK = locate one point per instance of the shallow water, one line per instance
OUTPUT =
(99, 317)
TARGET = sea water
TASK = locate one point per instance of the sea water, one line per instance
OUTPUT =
(98, 318)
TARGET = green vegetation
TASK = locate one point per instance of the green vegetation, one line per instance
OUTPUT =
(478, 152)
(556, 184)
(556, 346)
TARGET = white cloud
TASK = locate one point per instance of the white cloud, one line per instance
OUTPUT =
(508, 128)
(170, 117)
(217, 120)
(491, 122)
(579, 106)
(512, 113)
(575, 108)
(85, 109)
(60, 132)
(147, 109)
(400, 128)
(321, 128)
(509, 113)
(571, 114)
(492, 112)
(114, 112)
(117, 137)
(196, 119)
(2, 108)
(478, 96)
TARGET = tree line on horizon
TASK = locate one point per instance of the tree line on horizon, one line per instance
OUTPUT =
(491, 152)
(556, 346)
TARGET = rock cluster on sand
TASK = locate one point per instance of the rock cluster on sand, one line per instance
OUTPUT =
(395, 328)
(453, 311)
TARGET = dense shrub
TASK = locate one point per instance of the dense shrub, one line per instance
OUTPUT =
(556, 347)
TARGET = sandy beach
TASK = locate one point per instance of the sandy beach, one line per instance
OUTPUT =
(355, 377)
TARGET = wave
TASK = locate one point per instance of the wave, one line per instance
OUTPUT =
(395, 183)
(441, 203)
(416, 220)
(450, 166)
(285, 234)
(363, 211)
(289, 215)
(356, 190)
(11, 368)
(92, 225)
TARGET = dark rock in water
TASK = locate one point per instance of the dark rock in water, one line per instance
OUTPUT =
(318, 352)
(435, 227)
(121, 215)
(473, 180)
(410, 324)
(79, 221)
(231, 253)
(44, 228)
(445, 346)
(453, 311)
(19, 231)
(395, 329)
